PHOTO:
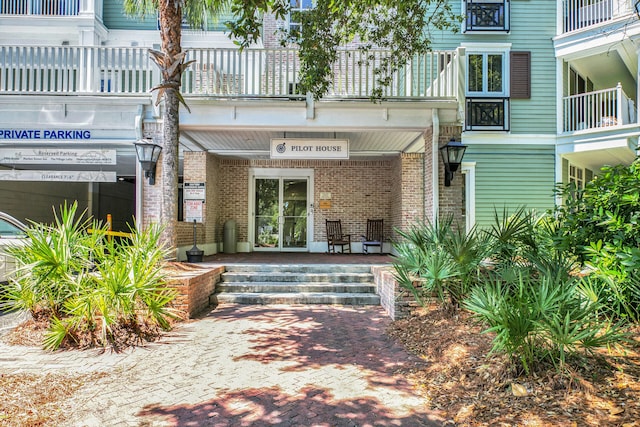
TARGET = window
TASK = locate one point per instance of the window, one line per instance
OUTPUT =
(487, 15)
(486, 74)
(576, 176)
(487, 103)
(298, 8)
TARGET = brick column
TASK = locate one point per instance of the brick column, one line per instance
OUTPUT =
(451, 198)
(201, 167)
(412, 188)
(151, 197)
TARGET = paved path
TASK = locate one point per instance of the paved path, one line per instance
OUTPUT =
(247, 366)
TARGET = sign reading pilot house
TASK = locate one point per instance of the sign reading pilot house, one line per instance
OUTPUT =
(292, 148)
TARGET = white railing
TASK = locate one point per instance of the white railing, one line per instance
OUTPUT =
(585, 13)
(602, 108)
(216, 72)
(275, 72)
(66, 69)
(40, 7)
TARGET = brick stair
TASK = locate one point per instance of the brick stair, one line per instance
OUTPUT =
(297, 284)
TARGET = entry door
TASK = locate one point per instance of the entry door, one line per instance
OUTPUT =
(281, 214)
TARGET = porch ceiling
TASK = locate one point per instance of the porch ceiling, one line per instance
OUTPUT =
(254, 144)
(595, 160)
(593, 153)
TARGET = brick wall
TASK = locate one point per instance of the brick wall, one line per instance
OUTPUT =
(397, 302)
(392, 189)
(360, 190)
(233, 193)
(412, 187)
(451, 199)
(194, 288)
(201, 167)
(152, 194)
(428, 174)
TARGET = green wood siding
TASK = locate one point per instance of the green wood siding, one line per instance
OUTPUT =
(114, 18)
(512, 176)
(538, 114)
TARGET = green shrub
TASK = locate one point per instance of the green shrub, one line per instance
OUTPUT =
(439, 260)
(607, 209)
(599, 225)
(541, 320)
(88, 286)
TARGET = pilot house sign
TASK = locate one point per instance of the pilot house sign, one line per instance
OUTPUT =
(290, 148)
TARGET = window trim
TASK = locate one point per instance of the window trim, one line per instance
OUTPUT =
(469, 173)
(505, 73)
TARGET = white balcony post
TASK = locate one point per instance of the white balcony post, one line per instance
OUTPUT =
(619, 99)
(86, 7)
(638, 86)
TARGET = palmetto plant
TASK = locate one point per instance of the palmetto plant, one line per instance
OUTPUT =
(512, 235)
(541, 319)
(89, 286)
(55, 254)
(438, 260)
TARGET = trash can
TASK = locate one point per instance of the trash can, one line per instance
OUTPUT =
(230, 241)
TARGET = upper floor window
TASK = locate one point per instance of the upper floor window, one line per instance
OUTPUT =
(486, 74)
(298, 8)
(487, 102)
(487, 15)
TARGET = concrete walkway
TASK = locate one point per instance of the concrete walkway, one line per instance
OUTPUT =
(247, 366)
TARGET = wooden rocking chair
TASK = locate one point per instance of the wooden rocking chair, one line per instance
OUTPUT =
(335, 238)
(374, 236)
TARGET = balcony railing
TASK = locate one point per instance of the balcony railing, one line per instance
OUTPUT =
(487, 15)
(487, 114)
(217, 72)
(40, 7)
(599, 109)
(585, 13)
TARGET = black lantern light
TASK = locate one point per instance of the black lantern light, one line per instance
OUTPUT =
(452, 158)
(148, 154)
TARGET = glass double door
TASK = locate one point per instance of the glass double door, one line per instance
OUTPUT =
(281, 213)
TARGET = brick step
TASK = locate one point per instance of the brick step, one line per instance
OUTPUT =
(348, 284)
(278, 276)
(298, 298)
(295, 287)
(299, 268)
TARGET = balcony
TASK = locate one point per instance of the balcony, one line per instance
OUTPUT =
(487, 114)
(252, 73)
(607, 108)
(487, 15)
(40, 7)
(579, 14)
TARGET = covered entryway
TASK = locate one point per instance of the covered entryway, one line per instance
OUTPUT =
(281, 209)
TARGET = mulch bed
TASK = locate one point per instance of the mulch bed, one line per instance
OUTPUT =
(473, 388)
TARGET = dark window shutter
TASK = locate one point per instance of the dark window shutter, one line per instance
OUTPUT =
(520, 75)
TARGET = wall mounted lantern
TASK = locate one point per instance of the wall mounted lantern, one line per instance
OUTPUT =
(148, 154)
(452, 158)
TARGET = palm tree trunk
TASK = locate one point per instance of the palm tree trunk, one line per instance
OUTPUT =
(170, 14)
